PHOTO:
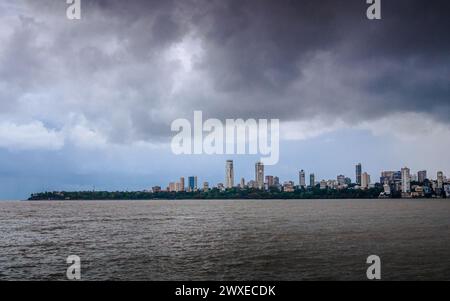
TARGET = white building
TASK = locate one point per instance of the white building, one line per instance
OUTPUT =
(406, 181)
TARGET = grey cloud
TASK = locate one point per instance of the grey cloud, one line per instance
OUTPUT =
(276, 59)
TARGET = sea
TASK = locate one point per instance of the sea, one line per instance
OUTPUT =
(226, 240)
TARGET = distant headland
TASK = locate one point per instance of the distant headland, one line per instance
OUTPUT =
(234, 193)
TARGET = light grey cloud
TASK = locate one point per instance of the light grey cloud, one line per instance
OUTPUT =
(128, 68)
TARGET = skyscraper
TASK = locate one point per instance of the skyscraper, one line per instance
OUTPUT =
(242, 183)
(406, 181)
(269, 181)
(302, 181)
(421, 176)
(312, 180)
(259, 175)
(229, 174)
(440, 180)
(205, 186)
(358, 173)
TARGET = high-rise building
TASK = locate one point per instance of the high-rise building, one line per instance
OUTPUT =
(172, 187)
(259, 175)
(440, 180)
(192, 181)
(341, 180)
(252, 184)
(358, 173)
(387, 189)
(242, 183)
(205, 186)
(276, 181)
(365, 180)
(421, 176)
(181, 184)
(312, 180)
(406, 181)
(229, 174)
(302, 180)
(348, 181)
(387, 177)
(269, 181)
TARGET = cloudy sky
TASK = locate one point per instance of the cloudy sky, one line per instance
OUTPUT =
(88, 103)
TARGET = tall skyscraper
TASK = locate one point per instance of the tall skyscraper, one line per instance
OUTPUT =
(341, 180)
(406, 180)
(269, 181)
(440, 180)
(365, 180)
(242, 183)
(358, 173)
(229, 174)
(192, 183)
(259, 175)
(421, 176)
(312, 180)
(302, 180)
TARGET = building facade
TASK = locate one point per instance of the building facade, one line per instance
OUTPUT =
(302, 180)
(229, 174)
(421, 176)
(358, 173)
(259, 175)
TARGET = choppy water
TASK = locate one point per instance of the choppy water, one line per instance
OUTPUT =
(226, 240)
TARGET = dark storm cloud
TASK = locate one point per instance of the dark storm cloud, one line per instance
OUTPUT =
(268, 46)
(293, 60)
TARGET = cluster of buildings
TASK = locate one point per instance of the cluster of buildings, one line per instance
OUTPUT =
(393, 183)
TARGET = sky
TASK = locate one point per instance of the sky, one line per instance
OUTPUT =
(88, 104)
